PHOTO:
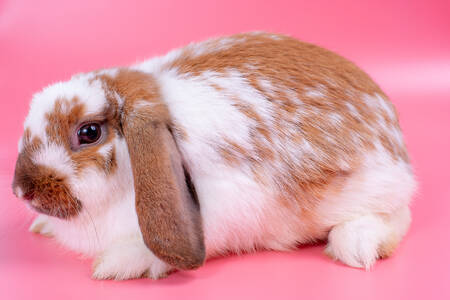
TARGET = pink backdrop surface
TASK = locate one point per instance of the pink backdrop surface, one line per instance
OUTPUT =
(403, 45)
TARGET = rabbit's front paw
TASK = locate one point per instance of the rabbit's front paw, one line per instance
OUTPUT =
(128, 260)
(41, 226)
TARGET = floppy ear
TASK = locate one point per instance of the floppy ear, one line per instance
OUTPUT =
(166, 204)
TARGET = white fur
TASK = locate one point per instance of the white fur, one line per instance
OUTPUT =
(356, 242)
(18, 192)
(41, 225)
(202, 118)
(335, 119)
(353, 110)
(380, 186)
(105, 150)
(56, 157)
(128, 258)
(266, 85)
(317, 92)
(20, 145)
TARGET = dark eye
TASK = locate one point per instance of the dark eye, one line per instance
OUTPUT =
(89, 133)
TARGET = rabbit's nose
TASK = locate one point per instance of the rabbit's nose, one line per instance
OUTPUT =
(28, 196)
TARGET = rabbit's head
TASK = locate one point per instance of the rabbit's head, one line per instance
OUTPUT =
(100, 138)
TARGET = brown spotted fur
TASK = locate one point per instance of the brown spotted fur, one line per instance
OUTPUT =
(294, 67)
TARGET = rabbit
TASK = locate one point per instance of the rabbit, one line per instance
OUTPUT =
(231, 145)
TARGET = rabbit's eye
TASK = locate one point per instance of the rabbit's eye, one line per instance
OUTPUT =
(89, 133)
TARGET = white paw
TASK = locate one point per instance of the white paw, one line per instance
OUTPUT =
(129, 259)
(357, 242)
(41, 226)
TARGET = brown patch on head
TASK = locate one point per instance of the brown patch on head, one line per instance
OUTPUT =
(30, 144)
(133, 87)
(61, 120)
(62, 123)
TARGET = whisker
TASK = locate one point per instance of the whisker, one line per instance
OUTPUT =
(93, 224)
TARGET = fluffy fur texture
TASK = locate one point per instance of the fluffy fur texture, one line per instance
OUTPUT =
(280, 142)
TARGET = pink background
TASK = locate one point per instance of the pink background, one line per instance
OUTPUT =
(403, 45)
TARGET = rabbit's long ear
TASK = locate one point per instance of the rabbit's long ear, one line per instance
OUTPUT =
(166, 204)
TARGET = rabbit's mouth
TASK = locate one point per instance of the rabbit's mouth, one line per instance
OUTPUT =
(54, 200)
(60, 209)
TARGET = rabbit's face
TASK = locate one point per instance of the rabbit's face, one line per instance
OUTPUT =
(71, 150)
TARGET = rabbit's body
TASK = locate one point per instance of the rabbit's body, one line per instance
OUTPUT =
(284, 142)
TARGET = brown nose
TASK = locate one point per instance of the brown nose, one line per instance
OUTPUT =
(28, 196)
